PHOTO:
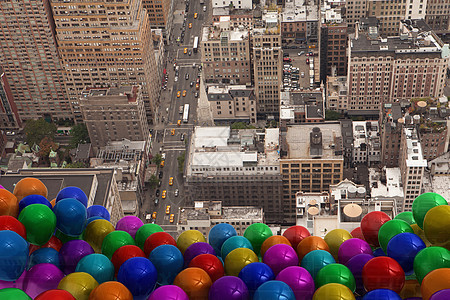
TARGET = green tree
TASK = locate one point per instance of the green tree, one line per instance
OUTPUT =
(36, 130)
(79, 135)
(46, 145)
(241, 125)
(153, 181)
(157, 159)
(77, 165)
(332, 115)
(181, 159)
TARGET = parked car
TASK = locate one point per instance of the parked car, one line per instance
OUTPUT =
(204, 8)
(156, 201)
(191, 84)
(160, 175)
(196, 95)
(177, 192)
(157, 193)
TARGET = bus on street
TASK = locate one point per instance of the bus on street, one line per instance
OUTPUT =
(195, 44)
(186, 113)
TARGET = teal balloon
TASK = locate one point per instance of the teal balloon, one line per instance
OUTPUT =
(235, 242)
(423, 203)
(406, 216)
(390, 229)
(98, 266)
(257, 233)
(315, 260)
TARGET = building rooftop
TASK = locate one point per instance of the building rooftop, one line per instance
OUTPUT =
(438, 184)
(223, 32)
(297, 11)
(83, 151)
(131, 92)
(228, 92)
(206, 212)
(359, 133)
(392, 187)
(414, 156)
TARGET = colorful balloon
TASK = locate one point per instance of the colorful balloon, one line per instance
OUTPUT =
(79, 284)
(333, 291)
(123, 254)
(98, 266)
(316, 260)
(111, 290)
(353, 247)
(53, 243)
(384, 294)
(423, 203)
(11, 223)
(210, 263)
(356, 265)
(55, 295)
(419, 231)
(441, 295)
(171, 292)
(40, 278)
(72, 192)
(357, 233)
(71, 253)
(274, 290)
(257, 233)
(219, 234)
(33, 199)
(158, 239)
(40, 223)
(14, 255)
(309, 244)
(72, 223)
(168, 262)
(335, 238)
(29, 186)
(114, 241)
(130, 224)
(429, 259)
(139, 275)
(238, 259)
(436, 224)
(229, 287)
(299, 280)
(279, 257)
(272, 241)
(189, 237)
(436, 280)
(370, 224)
(13, 294)
(195, 282)
(403, 248)
(144, 232)
(44, 256)
(64, 238)
(235, 242)
(255, 274)
(406, 216)
(390, 229)
(98, 211)
(383, 273)
(335, 273)
(296, 234)
(95, 233)
(195, 250)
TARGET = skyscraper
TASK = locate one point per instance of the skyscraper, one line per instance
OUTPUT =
(29, 57)
(106, 44)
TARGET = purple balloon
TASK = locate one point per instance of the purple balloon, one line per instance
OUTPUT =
(18, 284)
(195, 250)
(441, 295)
(299, 280)
(71, 253)
(279, 257)
(352, 247)
(356, 265)
(1, 187)
(230, 288)
(129, 224)
(40, 278)
(168, 292)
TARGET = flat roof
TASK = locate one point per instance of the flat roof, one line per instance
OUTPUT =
(297, 11)
(211, 136)
(393, 186)
(414, 156)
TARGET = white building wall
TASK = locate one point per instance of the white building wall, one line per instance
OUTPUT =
(240, 4)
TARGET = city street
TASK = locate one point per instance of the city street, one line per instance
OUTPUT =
(180, 91)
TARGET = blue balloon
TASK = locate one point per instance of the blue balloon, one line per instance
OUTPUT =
(98, 211)
(168, 262)
(89, 220)
(44, 256)
(384, 294)
(235, 242)
(255, 274)
(139, 275)
(98, 266)
(13, 254)
(33, 199)
(403, 248)
(378, 252)
(316, 260)
(70, 216)
(274, 290)
(72, 192)
(219, 234)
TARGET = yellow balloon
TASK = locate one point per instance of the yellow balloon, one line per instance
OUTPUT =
(335, 238)
(95, 232)
(188, 238)
(436, 224)
(79, 284)
(411, 289)
(237, 259)
(418, 231)
(333, 291)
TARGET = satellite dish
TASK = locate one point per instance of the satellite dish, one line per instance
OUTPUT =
(313, 210)
(352, 210)
(312, 202)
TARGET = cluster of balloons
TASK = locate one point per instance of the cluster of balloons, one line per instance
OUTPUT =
(62, 249)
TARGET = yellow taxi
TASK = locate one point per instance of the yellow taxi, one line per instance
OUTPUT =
(195, 15)
(171, 181)
(184, 93)
(154, 215)
(185, 51)
(168, 209)
(178, 94)
(179, 122)
(172, 132)
(162, 164)
(190, 25)
(197, 86)
(163, 195)
(171, 218)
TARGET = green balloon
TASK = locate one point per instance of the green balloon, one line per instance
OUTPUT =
(257, 233)
(335, 273)
(406, 216)
(390, 229)
(114, 241)
(423, 203)
(144, 232)
(64, 238)
(40, 223)
(430, 259)
(13, 294)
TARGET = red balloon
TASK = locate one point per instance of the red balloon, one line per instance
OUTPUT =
(12, 224)
(357, 233)
(124, 253)
(55, 295)
(370, 225)
(383, 273)
(210, 263)
(53, 242)
(295, 234)
(158, 239)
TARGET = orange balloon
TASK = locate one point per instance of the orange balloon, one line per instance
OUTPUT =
(436, 280)
(272, 241)
(309, 244)
(411, 289)
(53, 202)
(195, 282)
(111, 290)
(29, 186)
(9, 205)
